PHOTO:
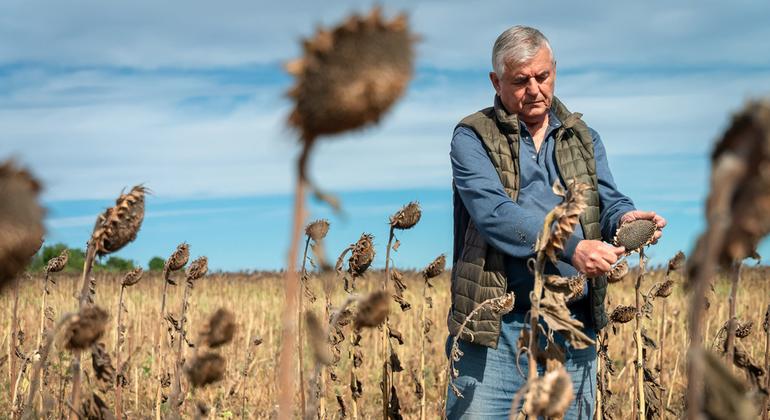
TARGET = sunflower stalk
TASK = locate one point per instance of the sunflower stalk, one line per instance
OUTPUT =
(176, 395)
(286, 370)
(130, 279)
(422, 348)
(29, 412)
(175, 262)
(385, 356)
(300, 336)
(54, 265)
(736, 216)
(728, 172)
(639, 383)
(76, 356)
(195, 271)
(500, 305)
(732, 322)
(766, 327)
(316, 405)
(536, 295)
(118, 347)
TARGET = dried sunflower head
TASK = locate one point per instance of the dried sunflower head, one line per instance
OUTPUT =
(567, 216)
(740, 158)
(676, 262)
(317, 230)
(617, 272)
(179, 257)
(372, 311)
(744, 330)
(435, 268)
(550, 395)
(197, 269)
(21, 220)
(362, 256)
(220, 328)
(59, 262)
(132, 277)
(119, 225)
(350, 75)
(635, 235)
(407, 216)
(504, 303)
(87, 327)
(623, 314)
(665, 289)
(102, 363)
(205, 369)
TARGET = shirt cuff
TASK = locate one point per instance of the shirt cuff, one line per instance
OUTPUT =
(615, 223)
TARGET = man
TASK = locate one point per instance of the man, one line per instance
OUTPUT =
(505, 160)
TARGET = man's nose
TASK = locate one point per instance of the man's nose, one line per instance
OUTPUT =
(533, 88)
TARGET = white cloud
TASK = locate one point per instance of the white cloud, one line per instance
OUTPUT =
(190, 99)
(148, 34)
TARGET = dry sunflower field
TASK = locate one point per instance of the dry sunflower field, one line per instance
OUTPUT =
(341, 339)
(256, 299)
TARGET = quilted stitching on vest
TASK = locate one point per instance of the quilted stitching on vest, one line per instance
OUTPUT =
(479, 273)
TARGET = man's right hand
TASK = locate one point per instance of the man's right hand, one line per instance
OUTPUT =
(594, 258)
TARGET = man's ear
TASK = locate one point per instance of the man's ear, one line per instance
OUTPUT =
(495, 81)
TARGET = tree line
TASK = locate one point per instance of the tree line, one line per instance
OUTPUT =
(77, 259)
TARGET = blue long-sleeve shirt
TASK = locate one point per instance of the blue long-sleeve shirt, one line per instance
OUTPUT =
(513, 227)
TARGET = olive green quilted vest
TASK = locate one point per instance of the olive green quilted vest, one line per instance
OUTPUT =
(479, 272)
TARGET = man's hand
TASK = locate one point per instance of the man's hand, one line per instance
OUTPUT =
(645, 215)
(594, 258)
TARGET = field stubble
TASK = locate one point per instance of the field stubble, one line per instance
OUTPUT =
(257, 300)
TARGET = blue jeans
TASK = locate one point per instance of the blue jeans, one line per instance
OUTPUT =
(489, 378)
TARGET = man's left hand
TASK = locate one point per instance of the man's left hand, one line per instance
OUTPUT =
(645, 215)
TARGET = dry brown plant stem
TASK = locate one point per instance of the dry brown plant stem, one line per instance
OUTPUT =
(727, 171)
(76, 356)
(16, 407)
(286, 383)
(766, 405)
(662, 337)
(639, 383)
(118, 341)
(160, 338)
(732, 323)
(353, 376)
(385, 356)
(493, 302)
(42, 311)
(300, 337)
(44, 351)
(321, 370)
(14, 333)
(176, 395)
(599, 377)
(43, 330)
(316, 404)
(422, 349)
(537, 292)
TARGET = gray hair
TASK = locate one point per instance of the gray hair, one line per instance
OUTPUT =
(517, 45)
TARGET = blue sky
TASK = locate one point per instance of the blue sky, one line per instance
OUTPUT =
(95, 97)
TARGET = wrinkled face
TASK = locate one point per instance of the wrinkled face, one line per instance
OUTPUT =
(527, 89)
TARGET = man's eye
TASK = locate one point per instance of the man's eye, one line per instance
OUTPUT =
(520, 82)
(542, 77)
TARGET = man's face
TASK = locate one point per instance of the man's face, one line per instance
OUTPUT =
(527, 89)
